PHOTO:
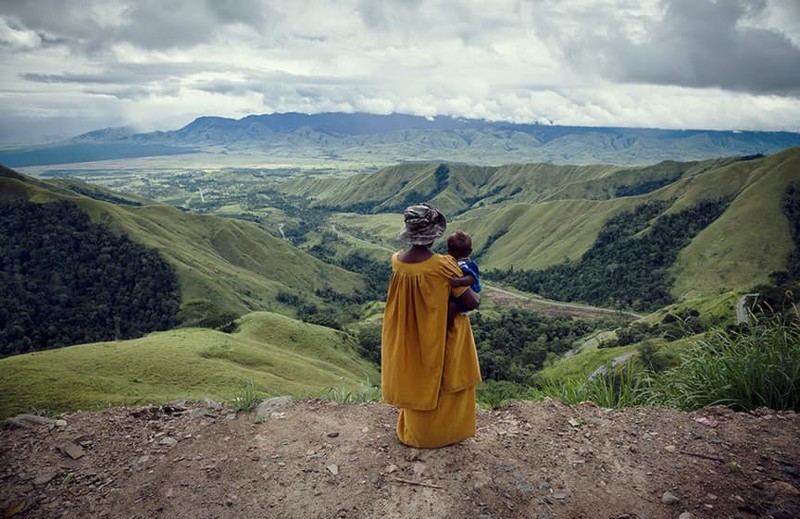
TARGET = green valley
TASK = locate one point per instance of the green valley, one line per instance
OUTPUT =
(257, 251)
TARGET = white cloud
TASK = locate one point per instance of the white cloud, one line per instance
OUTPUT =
(671, 63)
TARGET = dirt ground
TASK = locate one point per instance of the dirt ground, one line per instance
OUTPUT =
(320, 459)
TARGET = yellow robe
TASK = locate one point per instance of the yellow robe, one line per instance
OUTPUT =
(428, 371)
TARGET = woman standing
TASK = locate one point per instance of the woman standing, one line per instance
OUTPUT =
(427, 370)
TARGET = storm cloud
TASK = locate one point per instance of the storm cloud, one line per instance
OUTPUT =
(157, 64)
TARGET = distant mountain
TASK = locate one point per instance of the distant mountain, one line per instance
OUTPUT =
(384, 139)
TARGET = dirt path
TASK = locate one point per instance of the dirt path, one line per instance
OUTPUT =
(318, 459)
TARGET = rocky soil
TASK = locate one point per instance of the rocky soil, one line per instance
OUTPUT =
(320, 459)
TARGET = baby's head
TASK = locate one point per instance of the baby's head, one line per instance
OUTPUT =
(459, 245)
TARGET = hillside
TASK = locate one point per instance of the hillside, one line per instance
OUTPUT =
(235, 264)
(537, 216)
(317, 459)
(278, 355)
(357, 141)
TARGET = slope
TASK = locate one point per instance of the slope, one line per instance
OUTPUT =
(276, 353)
(235, 264)
(535, 216)
(751, 239)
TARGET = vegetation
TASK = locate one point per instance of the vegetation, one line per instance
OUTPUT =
(247, 398)
(516, 344)
(627, 265)
(747, 368)
(279, 355)
(791, 208)
(65, 280)
(757, 366)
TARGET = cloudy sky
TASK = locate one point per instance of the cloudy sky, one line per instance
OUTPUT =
(69, 66)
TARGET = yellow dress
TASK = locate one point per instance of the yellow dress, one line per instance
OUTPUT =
(428, 371)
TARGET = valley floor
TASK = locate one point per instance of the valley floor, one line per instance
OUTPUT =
(320, 459)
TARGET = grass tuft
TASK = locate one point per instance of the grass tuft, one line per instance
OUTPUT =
(247, 399)
(364, 393)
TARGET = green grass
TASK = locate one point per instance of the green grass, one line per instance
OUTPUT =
(277, 354)
(756, 367)
(751, 239)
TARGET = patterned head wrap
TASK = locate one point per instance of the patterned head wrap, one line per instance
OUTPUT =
(423, 224)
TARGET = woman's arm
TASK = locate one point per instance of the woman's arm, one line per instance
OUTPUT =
(470, 299)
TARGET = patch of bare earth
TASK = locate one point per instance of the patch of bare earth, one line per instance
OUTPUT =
(319, 459)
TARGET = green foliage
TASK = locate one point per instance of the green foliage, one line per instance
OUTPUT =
(791, 208)
(516, 344)
(280, 355)
(492, 394)
(653, 358)
(202, 313)
(757, 366)
(673, 326)
(627, 265)
(247, 398)
(369, 343)
(364, 393)
(620, 389)
(65, 280)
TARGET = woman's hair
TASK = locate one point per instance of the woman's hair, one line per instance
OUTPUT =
(459, 244)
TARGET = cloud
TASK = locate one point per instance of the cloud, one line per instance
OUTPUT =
(592, 62)
(728, 44)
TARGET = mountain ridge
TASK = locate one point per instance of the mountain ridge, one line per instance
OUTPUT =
(370, 138)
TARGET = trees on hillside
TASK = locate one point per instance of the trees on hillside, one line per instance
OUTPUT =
(627, 265)
(65, 280)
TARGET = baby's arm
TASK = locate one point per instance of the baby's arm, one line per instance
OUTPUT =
(463, 281)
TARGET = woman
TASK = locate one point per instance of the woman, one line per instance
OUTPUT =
(427, 370)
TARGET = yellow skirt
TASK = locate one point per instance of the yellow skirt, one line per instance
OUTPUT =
(453, 420)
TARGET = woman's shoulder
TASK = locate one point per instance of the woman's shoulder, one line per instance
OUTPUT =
(448, 265)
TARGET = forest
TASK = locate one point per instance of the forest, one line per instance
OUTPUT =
(627, 265)
(65, 280)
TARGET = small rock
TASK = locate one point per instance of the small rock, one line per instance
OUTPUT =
(213, 405)
(61, 423)
(31, 420)
(198, 413)
(559, 495)
(670, 448)
(333, 434)
(259, 438)
(333, 469)
(413, 456)
(70, 449)
(14, 509)
(43, 479)
(669, 498)
(144, 459)
(686, 515)
(784, 488)
(391, 468)
(265, 409)
(168, 441)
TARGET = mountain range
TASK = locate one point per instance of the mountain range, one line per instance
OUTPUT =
(370, 139)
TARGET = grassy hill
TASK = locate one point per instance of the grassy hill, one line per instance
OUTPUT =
(235, 264)
(532, 216)
(279, 355)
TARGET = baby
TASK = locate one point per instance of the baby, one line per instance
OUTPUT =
(459, 245)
